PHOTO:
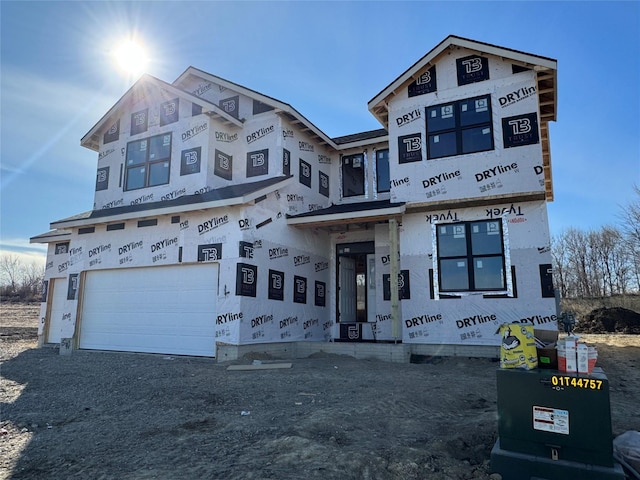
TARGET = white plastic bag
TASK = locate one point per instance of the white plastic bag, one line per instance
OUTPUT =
(626, 449)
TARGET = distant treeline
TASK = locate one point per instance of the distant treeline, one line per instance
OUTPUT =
(589, 264)
(20, 281)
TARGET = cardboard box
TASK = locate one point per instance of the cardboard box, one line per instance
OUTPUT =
(546, 347)
(582, 354)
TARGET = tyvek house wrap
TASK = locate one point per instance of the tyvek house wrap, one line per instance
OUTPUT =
(504, 170)
(473, 318)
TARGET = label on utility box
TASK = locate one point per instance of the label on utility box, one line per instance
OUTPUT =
(551, 420)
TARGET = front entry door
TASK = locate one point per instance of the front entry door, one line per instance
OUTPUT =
(355, 295)
(347, 290)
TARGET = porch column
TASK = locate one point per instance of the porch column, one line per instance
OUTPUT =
(394, 271)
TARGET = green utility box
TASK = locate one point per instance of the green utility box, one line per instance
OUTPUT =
(554, 425)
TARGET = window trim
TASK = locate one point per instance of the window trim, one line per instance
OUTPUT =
(147, 162)
(507, 285)
(458, 128)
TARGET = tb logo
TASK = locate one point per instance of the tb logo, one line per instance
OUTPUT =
(412, 144)
(257, 159)
(140, 118)
(191, 158)
(248, 276)
(520, 126)
(424, 78)
(169, 108)
(223, 161)
(210, 254)
(229, 106)
(276, 281)
(472, 65)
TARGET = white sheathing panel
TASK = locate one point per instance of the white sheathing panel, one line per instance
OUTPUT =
(167, 310)
(62, 312)
(57, 317)
(289, 267)
(311, 166)
(473, 319)
(383, 262)
(189, 137)
(501, 171)
(232, 102)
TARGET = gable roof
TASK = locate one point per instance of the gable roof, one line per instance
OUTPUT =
(546, 80)
(92, 138)
(281, 108)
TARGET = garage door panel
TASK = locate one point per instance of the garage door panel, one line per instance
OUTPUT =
(169, 310)
(146, 343)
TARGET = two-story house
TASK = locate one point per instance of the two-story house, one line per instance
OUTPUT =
(224, 216)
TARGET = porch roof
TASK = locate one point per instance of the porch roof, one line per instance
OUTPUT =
(347, 216)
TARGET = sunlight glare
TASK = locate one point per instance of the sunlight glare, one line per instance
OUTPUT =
(131, 57)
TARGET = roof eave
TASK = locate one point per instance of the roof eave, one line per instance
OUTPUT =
(91, 139)
(52, 236)
(173, 209)
(363, 143)
(347, 217)
(378, 104)
(279, 106)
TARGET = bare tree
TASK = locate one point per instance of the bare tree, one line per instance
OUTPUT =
(631, 227)
(20, 280)
(578, 261)
(559, 257)
(31, 280)
(10, 271)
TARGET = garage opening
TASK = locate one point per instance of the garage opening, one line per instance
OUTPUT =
(166, 309)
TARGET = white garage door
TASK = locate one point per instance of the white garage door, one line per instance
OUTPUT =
(58, 302)
(169, 309)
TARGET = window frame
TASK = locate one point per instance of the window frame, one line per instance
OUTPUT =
(470, 257)
(459, 128)
(147, 163)
(351, 157)
(387, 174)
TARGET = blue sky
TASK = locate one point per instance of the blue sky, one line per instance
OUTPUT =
(326, 59)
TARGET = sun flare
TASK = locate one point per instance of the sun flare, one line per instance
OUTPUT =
(131, 57)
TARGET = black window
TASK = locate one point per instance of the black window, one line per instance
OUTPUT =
(458, 128)
(382, 171)
(471, 256)
(148, 162)
(353, 175)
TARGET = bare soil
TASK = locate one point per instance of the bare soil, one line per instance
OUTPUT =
(103, 415)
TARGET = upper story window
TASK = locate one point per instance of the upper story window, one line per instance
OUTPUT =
(382, 171)
(148, 162)
(353, 175)
(458, 128)
(471, 256)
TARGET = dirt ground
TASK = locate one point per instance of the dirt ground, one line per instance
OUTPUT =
(125, 416)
